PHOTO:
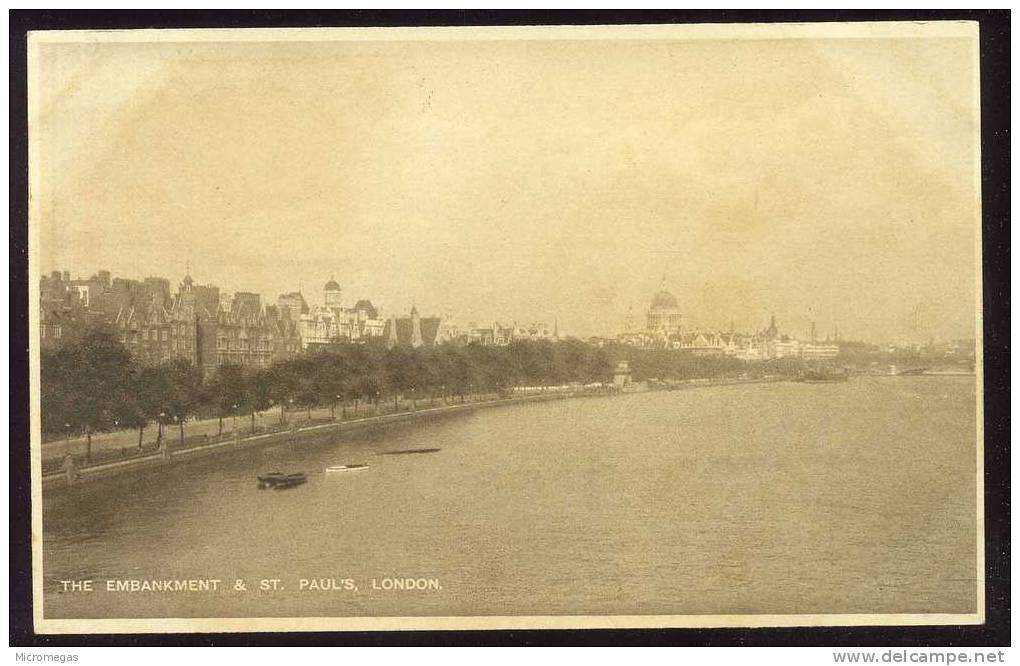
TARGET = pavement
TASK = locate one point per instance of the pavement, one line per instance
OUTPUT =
(125, 439)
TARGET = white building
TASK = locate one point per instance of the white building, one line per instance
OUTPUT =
(813, 351)
(500, 334)
(332, 322)
(664, 330)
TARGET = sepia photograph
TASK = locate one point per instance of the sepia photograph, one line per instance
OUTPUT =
(508, 327)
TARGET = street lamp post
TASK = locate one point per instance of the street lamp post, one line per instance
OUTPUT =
(272, 404)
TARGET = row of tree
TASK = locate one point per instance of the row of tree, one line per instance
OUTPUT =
(92, 384)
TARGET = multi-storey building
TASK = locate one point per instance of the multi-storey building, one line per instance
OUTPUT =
(332, 322)
(196, 323)
(292, 305)
(68, 306)
(157, 334)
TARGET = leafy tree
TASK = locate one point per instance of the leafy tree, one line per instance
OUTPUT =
(146, 390)
(56, 397)
(330, 373)
(282, 385)
(185, 392)
(259, 392)
(304, 380)
(228, 391)
(84, 383)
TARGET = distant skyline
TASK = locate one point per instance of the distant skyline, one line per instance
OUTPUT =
(314, 296)
(531, 180)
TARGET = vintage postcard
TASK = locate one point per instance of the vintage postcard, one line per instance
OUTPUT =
(516, 327)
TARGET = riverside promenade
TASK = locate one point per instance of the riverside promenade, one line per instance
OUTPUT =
(124, 441)
(65, 470)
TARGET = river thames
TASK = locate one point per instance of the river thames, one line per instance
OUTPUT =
(786, 498)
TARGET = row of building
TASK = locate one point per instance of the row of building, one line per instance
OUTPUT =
(664, 329)
(201, 324)
(197, 323)
(210, 328)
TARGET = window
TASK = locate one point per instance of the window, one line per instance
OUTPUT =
(165, 335)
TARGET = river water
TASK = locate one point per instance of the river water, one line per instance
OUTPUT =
(770, 498)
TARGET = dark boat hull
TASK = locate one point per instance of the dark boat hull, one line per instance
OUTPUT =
(290, 483)
(405, 452)
(278, 480)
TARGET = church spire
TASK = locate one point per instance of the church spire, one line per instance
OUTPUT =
(416, 339)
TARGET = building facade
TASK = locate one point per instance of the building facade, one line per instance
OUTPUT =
(196, 323)
(664, 330)
(331, 322)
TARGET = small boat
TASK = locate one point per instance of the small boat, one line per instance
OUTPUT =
(281, 480)
(402, 452)
(270, 479)
(290, 481)
(344, 468)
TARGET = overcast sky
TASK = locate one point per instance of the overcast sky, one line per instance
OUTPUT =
(528, 180)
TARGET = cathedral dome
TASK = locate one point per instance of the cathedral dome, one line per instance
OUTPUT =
(664, 300)
(331, 286)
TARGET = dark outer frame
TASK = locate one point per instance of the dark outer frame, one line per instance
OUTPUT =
(995, 183)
